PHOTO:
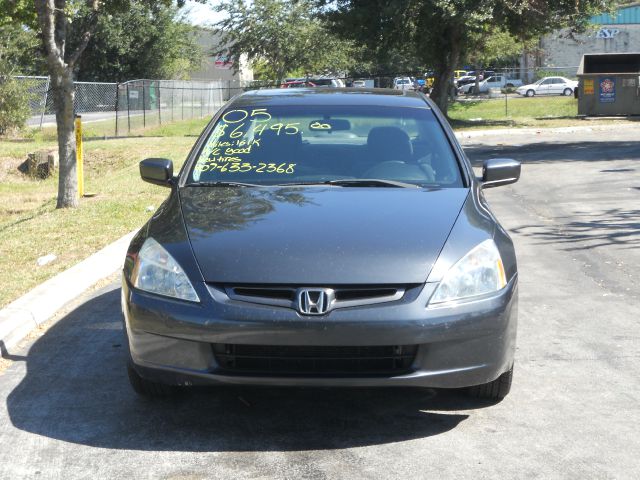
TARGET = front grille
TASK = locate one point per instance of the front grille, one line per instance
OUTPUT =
(343, 296)
(276, 293)
(272, 360)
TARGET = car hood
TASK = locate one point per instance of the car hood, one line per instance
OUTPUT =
(318, 235)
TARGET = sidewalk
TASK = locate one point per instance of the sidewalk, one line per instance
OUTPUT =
(41, 303)
(537, 131)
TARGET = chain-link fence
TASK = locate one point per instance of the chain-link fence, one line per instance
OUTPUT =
(125, 108)
(144, 103)
(38, 89)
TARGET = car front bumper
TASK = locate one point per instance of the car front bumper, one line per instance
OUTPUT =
(471, 343)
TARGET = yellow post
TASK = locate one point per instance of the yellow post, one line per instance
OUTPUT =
(79, 164)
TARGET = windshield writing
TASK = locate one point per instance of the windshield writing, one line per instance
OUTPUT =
(293, 144)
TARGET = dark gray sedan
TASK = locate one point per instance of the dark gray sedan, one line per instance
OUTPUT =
(323, 237)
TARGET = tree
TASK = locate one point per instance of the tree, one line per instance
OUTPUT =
(495, 47)
(114, 51)
(17, 45)
(445, 32)
(282, 36)
(52, 19)
(16, 58)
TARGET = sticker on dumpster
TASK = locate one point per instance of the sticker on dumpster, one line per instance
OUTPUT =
(589, 87)
(629, 82)
(607, 90)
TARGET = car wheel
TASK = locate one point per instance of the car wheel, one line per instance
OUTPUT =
(530, 93)
(509, 85)
(147, 388)
(496, 390)
(567, 92)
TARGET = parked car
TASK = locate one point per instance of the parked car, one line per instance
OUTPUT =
(549, 86)
(327, 82)
(297, 84)
(465, 80)
(402, 83)
(364, 83)
(459, 73)
(323, 238)
(497, 81)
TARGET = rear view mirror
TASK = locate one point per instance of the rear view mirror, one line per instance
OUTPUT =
(330, 125)
(500, 171)
(158, 171)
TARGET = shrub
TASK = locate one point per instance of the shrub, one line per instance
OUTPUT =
(14, 104)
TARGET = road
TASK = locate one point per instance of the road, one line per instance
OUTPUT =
(49, 120)
(573, 412)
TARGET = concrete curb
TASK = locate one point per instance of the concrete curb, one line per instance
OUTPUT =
(461, 134)
(40, 304)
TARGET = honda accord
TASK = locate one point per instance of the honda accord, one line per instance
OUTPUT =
(323, 237)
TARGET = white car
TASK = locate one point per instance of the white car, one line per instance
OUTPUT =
(402, 83)
(549, 86)
(496, 81)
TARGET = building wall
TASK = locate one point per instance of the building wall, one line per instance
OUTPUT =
(560, 50)
(210, 42)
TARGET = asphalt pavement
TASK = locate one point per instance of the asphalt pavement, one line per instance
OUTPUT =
(68, 412)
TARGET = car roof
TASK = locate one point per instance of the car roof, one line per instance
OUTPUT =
(331, 96)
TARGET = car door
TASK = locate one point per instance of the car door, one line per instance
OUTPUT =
(557, 86)
(544, 87)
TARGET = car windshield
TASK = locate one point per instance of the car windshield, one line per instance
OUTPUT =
(297, 144)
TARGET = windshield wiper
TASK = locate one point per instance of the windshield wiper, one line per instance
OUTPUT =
(371, 182)
(357, 182)
(220, 184)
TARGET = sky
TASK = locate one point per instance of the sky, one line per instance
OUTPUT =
(201, 14)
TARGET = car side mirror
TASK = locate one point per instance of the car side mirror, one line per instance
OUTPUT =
(500, 171)
(158, 171)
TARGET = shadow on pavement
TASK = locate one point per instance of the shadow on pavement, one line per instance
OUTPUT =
(555, 152)
(614, 226)
(76, 390)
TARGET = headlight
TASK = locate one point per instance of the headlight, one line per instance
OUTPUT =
(156, 271)
(479, 272)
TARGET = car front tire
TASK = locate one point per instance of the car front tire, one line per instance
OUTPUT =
(530, 93)
(147, 388)
(567, 92)
(496, 390)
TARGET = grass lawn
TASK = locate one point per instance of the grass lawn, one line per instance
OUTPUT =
(548, 111)
(515, 112)
(106, 129)
(31, 226)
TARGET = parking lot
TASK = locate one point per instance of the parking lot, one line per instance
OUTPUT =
(67, 410)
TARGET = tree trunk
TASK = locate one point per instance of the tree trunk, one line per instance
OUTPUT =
(444, 74)
(442, 84)
(63, 96)
(53, 22)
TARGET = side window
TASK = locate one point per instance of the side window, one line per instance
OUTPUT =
(546, 82)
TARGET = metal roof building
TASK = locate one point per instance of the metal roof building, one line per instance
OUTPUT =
(618, 32)
(628, 15)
